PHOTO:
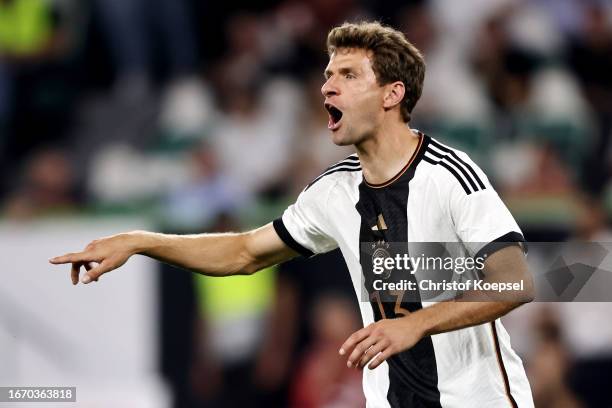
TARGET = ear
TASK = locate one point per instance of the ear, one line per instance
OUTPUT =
(394, 93)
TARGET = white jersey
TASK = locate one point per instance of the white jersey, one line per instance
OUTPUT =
(439, 196)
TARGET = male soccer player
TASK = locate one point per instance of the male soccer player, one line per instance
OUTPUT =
(401, 186)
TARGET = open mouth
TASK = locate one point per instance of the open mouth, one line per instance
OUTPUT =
(335, 116)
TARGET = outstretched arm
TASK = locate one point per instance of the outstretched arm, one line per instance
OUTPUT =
(209, 254)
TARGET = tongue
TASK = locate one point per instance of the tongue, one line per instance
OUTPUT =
(330, 123)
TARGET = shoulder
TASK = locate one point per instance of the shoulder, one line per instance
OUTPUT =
(343, 171)
(453, 168)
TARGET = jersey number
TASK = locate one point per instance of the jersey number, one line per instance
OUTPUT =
(398, 310)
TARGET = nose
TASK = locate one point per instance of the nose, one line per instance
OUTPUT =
(329, 88)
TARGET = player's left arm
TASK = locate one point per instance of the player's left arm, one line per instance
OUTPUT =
(378, 341)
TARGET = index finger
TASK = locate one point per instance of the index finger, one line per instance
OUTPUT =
(70, 258)
(354, 339)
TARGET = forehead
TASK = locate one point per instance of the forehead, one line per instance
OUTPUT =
(354, 57)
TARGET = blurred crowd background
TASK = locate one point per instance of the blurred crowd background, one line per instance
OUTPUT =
(208, 116)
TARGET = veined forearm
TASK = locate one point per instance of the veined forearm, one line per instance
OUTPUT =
(208, 254)
(453, 315)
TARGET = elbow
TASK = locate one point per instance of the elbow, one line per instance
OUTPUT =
(527, 295)
(252, 265)
(250, 257)
(248, 269)
(248, 264)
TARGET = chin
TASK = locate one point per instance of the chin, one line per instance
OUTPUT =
(341, 141)
(341, 138)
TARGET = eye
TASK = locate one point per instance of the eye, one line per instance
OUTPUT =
(350, 76)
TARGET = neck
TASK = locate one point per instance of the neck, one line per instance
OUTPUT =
(387, 152)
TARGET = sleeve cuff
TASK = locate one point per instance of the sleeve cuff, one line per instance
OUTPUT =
(285, 236)
(506, 240)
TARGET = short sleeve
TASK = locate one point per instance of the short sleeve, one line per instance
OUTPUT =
(481, 219)
(304, 226)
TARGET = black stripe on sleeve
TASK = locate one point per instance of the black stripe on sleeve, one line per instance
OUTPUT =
(451, 170)
(452, 153)
(285, 236)
(506, 240)
(457, 165)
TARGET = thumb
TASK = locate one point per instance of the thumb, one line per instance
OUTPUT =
(94, 273)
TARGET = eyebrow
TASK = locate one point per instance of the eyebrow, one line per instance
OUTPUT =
(343, 70)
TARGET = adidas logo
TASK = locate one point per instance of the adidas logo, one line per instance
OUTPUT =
(380, 224)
